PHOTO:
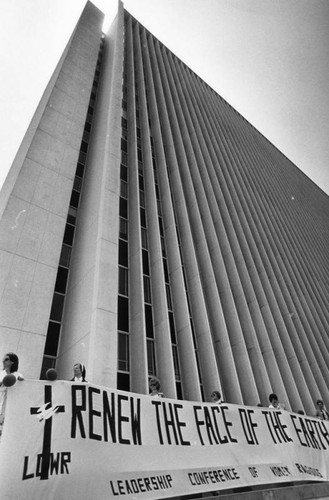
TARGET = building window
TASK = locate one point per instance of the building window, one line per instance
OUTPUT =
(172, 327)
(80, 170)
(123, 352)
(123, 253)
(123, 381)
(176, 363)
(179, 390)
(145, 257)
(124, 158)
(52, 338)
(149, 321)
(165, 270)
(84, 146)
(87, 127)
(150, 357)
(142, 199)
(61, 279)
(147, 289)
(123, 189)
(139, 154)
(65, 256)
(157, 192)
(141, 182)
(77, 183)
(123, 228)
(161, 226)
(123, 172)
(72, 215)
(57, 307)
(144, 238)
(168, 293)
(123, 208)
(75, 197)
(143, 217)
(123, 281)
(123, 314)
(82, 157)
(68, 235)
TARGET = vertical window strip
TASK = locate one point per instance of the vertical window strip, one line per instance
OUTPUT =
(123, 374)
(145, 250)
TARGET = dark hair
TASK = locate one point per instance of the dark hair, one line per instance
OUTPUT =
(319, 401)
(83, 370)
(216, 393)
(272, 396)
(155, 382)
(14, 358)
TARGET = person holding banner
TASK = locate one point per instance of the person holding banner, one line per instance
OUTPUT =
(154, 388)
(216, 397)
(274, 402)
(79, 371)
(321, 412)
(10, 366)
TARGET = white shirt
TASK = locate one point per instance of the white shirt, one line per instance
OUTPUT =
(3, 373)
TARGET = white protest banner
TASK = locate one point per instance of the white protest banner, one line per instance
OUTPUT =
(71, 441)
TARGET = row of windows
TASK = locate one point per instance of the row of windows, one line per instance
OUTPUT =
(166, 278)
(165, 264)
(164, 254)
(149, 329)
(123, 288)
(123, 375)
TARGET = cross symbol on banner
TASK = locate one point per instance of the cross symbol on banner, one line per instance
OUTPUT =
(46, 412)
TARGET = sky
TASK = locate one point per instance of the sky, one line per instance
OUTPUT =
(268, 58)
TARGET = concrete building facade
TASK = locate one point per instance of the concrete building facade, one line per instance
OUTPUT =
(148, 229)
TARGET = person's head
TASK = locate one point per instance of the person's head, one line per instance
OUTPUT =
(10, 362)
(319, 403)
(215, 396)
(154, 385)
(79, 370)
(273, 398)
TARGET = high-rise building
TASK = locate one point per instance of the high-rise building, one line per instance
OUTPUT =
(148, 229)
